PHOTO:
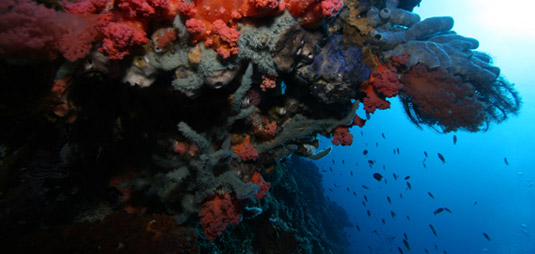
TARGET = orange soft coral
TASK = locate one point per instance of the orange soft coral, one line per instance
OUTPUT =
(312, 12)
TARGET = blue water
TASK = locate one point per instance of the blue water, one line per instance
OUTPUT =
(474, 171)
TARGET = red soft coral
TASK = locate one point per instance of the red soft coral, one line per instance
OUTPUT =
(385, 80)
(312, 12)
(264, 186)
(216, 214)
(341, 136)
(372, 101)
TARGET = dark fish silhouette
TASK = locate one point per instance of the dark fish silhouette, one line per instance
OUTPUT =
(393, 214)
(389, 200)
(354, 194)
(405, 236)
(394, 151)
(486, 236)
(383, 220)
(371, 162)
(409, 187)
(361, 133)
(343, 162)
(441, 157)
(431, 195)
(364, 203)
(347, 189)
(475, 203)
(433, 229)
(426, 251)
(375, 232)
(406, 244)
(425, 153)
(333, 161)
(383, 135)
(397, 150)
(358, 228)
(331, 169)
(400, 250)
(400, 195)
(408, 218)
(369, 213)
(386, 181)
(324, 171)
(331, 190)
(384, 167)
(377, 176)
(407, 177)
(506, 161)
(454, 139)
(365, 187)
(439, 210)
(376, 144)
(365, 152)
(365, 198)
(447, 210)
(395, 176)
(351, 172)
(423, 163)
(436, 246)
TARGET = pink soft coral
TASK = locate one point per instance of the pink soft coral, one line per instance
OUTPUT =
(264, 186)
(28, 29)
(216, 214)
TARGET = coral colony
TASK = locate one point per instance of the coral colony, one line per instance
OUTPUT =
(150, 125)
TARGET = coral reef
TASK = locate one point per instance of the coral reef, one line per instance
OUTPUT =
(184, 120)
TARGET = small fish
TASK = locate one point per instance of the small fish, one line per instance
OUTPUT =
(369, 213)
(397, 150)
(384, 167)
(354, 194)
(386, 181)
(423, 163)
(376, 144)
(356, 164)
(365, 198)
(486, 236)
(324, 171)
(351, 173)
(394, 151)
(409, 187)
(383, 135)
(343, 162)
(447, 210)
(347, 189)
(436, 246)
(375, 232)
(361, 133)
(441, 157)
(377, 176)
(475, 203)
(405, 236)
(335, 185)
(425, 153)
(365, 187)
(389, 200)
(408, 218)
(439, 210)
(506, 161)
(426, 251)
(333, 161)
(365, 152)
(331, 169)
(454, 139)
(400, 195)
(384, 222)
(400, 250)
(371, 162)
(431, 195)
(395, 176)
(331, 190)
(433, 229)
(407, 177)
(406, 244)
(358, 228)
(393, 214)
(364, 203)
